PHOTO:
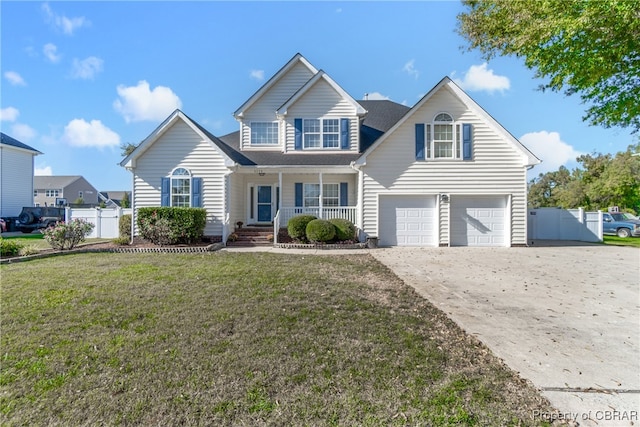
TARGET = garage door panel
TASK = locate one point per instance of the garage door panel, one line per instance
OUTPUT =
(478, 221)
(407, 220)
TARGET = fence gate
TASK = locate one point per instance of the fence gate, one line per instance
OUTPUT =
(106, 221)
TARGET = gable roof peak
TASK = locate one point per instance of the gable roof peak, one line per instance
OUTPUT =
(297, 59)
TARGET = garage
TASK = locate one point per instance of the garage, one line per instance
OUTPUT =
(478, 221)
(407, 220)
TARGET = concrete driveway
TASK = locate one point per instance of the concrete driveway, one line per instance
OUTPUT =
(567, 318)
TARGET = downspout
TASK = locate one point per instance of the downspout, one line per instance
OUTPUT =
(360, 205)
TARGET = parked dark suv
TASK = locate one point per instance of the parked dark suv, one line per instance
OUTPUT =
(36, 218)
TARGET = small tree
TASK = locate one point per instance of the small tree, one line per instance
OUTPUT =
(125, 202)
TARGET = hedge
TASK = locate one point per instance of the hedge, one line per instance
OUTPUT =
(320, 230)
(297, 226)
(179, 225)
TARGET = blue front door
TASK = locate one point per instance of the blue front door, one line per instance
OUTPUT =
(264, 203)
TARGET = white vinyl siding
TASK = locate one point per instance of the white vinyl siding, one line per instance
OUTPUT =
(181, 146)
(497, 168)
(16, 185)
(263, 110)
(322, 102)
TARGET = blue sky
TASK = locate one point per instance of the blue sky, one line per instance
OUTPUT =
(80, 78)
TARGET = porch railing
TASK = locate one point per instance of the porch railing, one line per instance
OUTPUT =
(285, 214)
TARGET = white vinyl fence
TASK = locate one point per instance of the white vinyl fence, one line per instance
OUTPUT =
(105, 220)
(564, 224)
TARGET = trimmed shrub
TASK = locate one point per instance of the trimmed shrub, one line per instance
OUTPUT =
(66, 235)
(345, 230)
(124, 226)
(297, 226)
(320, 230)
(183, 225)
(9, 247)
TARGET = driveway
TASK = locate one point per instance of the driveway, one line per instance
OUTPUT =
(567, 318)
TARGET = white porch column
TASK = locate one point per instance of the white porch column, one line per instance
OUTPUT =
(280, 192)
(320, 198)
(360, 201)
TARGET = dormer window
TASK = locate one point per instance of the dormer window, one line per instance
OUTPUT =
(264, 133)
(321, 133)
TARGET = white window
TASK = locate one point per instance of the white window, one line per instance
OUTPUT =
(181, 188)
(264, 133)
(35, 193)
(80, 195)
(321, 133)
(330, 195)
(443, 136)
(52, 193)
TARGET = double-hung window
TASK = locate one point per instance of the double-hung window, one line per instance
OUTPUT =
(264, 133)
(181, 188)
(330, 195)
(443, 137)
(321, 133)
(52, 193)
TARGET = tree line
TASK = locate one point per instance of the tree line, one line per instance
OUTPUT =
(600, 181)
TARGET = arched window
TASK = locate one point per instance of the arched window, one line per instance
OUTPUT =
(181, 188)
(443, 136)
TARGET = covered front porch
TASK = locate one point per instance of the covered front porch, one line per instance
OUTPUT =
(270, 197)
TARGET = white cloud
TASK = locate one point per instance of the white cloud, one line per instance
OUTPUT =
(50, 51)
(480, 78)
(87, 68)
(14, 78)
(67, 25)
(139, 103)
(376, 96)
(80, 133)
(43, 171)
(257, 75)
(9, 114)
(410, 68)
(550, 148)
(23, 132)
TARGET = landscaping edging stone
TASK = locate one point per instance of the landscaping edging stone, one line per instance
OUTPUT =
(88, 249)
(320, 246)
(173, 250)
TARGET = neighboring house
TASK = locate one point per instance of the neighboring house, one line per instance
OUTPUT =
(63, 190)
(441, 173)
(16, 180)
(113, 199)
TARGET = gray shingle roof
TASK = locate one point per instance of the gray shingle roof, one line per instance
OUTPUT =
(7, 140)
(381, 116)
(52, 182)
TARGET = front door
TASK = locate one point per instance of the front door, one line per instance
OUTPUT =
(264, 205)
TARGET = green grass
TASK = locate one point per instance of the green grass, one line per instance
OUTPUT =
(618, 241)
(240, 339)
(37, 241)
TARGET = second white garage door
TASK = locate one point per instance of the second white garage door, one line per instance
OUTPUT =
(478, 221)
(407, 220)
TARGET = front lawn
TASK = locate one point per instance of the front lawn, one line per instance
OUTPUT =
(240, 339)
(618, 241)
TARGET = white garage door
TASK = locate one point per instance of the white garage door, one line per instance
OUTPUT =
(407, 220)
(478, 221)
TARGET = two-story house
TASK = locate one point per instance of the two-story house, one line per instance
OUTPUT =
(62, 190)
(16, 180)
(440, 173)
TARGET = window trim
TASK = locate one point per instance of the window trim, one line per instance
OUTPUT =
(183, 177)
(264, 144)
(321, 193)
(456, 138)
(322, 133)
